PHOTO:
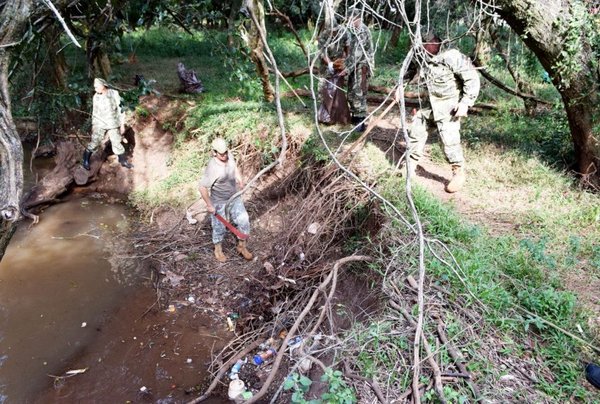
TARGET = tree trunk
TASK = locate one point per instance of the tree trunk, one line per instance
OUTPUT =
(12, 22)
(555, 31)
(257, 49)
(233, 12)
(56, 60)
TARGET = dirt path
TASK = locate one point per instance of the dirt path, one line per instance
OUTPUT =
(503, 209)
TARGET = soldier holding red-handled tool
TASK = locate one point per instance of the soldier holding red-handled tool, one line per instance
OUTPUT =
(222, 179)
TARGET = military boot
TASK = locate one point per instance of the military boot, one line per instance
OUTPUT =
(458, 179)
(358, 120)
(123, 161)
(242, 249)
(86, 159)
(219, 253)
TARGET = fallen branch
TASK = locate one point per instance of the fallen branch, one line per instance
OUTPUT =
(437, 374)
(458, 360)
(372, 383)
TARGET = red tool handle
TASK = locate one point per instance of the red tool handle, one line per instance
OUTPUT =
(231, 227)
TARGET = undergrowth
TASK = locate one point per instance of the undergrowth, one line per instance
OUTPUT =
(524, 268)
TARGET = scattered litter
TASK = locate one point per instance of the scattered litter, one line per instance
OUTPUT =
(189, 360)
(76, 372)
(230, 325)
(313, 228)
(191, 299)
(293, 282)
(144, 389)
(173, 278)
(305, 365)
(235, 369)
(295, 342)
(236, 388)
(83, 325)
(68, 373)
(260, 358)
(171, 308)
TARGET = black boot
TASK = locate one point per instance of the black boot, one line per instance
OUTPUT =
(592, 374)
(358, 120)
(123, 161)
(86, 159)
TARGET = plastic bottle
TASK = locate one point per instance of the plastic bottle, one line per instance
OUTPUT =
(236, 388)
(295, 341)
(235, 369)
(260, 358)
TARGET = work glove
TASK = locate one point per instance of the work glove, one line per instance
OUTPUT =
(339, 65)
(330, 68)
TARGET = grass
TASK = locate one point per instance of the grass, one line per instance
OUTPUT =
(557, 229)
(517, 172)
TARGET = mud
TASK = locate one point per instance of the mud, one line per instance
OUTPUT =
(142, 354)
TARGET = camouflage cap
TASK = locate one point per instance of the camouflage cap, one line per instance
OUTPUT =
(220, 145)
(99, 81)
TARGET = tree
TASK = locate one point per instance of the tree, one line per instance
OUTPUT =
(563, 36)
(252, 38)
(14, 21)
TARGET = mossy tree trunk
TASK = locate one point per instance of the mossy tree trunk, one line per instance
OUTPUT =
(559, 33)
(13, 19)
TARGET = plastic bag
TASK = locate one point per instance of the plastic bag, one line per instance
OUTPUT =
(334, 105)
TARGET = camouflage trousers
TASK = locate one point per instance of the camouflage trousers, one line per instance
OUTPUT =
(358, 84)
(236, 214)
(448, 129)
(115, 140)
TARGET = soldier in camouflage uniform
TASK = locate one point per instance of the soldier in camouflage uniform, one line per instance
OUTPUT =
(107, 119)
(452, 85)
(359, 66)
(222, 178)
(332, 53)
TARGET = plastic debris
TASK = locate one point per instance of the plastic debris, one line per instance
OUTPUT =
(171, 308)
(230, 325)
(76, 371)
(295, 341)
(260, 358)
(236, 388)
(191, 299)
(235, 369)
(313, 228)
(189, 360)
(83, 325)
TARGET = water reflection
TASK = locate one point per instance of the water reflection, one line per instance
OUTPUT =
(57, 284)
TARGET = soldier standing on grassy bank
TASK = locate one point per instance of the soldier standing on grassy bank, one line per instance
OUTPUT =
(453, 86)
(107, 118)
(222, 178)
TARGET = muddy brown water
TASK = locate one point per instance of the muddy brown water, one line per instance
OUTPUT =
(69, 300)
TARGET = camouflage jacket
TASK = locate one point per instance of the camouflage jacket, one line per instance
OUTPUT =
(331, 43)
(360, 48)
(450, 76)
(106, 111)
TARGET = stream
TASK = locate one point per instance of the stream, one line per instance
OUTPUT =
(71, 299)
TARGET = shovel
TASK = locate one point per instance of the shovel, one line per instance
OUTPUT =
(231, 227)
